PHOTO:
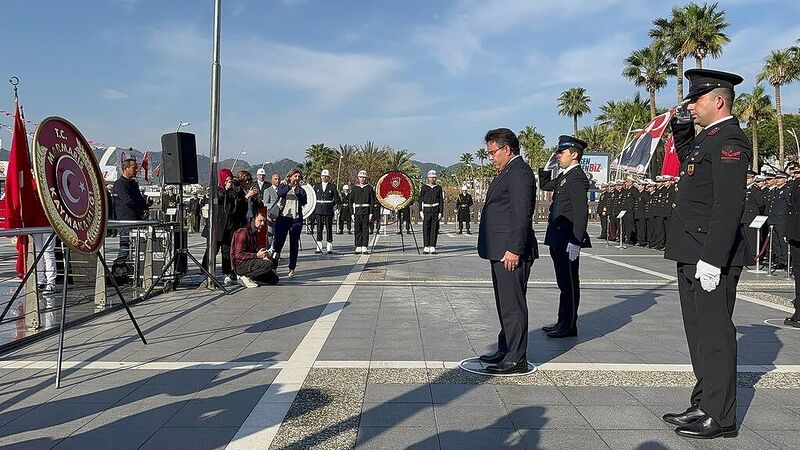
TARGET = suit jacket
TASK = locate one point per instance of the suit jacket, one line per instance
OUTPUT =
(710, 196)
(793, 220)
(507, 217)
(569, 211)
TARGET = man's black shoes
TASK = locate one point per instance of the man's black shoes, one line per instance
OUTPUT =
(549, 328)
(563, 333)
(685, 418)
(792, 322)
(706, 428)
(507, 367)
(493, 358)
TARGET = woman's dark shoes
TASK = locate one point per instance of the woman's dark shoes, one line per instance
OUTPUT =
(507, 367)
(493, 358)
(685, 418)
(706, 428)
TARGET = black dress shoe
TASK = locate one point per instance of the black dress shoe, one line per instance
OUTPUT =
(549, 328)
(493, 358)
(706, 428)
(506, 367)
(563, 333)
(792, 322)
(684, 418)
(469, 232)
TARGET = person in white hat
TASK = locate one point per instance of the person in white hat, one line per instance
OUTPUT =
(363, 198)
(431, 203)
(463, 205)
(261, 181)
(327, 201)
(346, 211)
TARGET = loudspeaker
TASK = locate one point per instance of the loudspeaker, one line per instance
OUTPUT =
(179, 158)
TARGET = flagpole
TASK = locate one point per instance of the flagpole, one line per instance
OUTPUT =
(214, 137)
(624, 144)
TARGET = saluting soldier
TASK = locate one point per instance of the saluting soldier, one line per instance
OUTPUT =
(613, 211)
(431, 204)
(363, 197)
(566, 231)
(463, 205)
(793, 239)
(777, 215)
(628, 204)
(641, 211)
(706, 242)
(327, 201)
(602, 211)
(345, 211)
(753, 206)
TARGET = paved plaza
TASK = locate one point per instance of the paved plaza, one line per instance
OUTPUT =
(362, 351)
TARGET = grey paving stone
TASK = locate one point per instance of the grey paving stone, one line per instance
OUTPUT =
(190, 438)
(659, 395)
(380, 438)
(609, 395)
(561, 440)
(56, 414)
(773, 417)
(122, 437)
(187, 378)
(465, 394)
(495, 438)
(397, 393)
(89, 393)
(396, 415)
(646, 439)
(617, 417)
(136, 414)
(465, 417)
(36, 439)
(550, 417)
(215, 412)
(531, 395)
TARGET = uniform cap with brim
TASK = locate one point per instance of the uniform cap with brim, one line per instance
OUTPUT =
(261, 172)
(751, 173)
(706, 80)
(432, 173)
(325, 173)
(463, 188)
(565, 142)
(362, 173)
(346, 187)
(781, 175)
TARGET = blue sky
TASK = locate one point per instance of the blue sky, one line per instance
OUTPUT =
(427, 76)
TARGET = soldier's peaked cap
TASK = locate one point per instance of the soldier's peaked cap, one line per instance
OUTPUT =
(706, 80)
(565, 142)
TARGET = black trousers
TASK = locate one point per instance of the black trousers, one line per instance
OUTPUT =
(753, 246)
(345, 218)
(430, 229)
(510, 290)
(324, 222)
(659, 233)
(569, 283)
(641, 231)
(794, 250)
(361, 230)
(628, 227)
(258, 270)
(711, 336)
(603, 227)
(461, 225)
(778, 245)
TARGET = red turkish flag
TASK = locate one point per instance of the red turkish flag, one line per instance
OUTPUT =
(671, 163)
(23, 208)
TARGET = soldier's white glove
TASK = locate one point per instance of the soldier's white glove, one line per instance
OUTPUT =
(708, 275)
(370, 217)
(440, 216)
(421, 215)
(573, 250)
(353, 217)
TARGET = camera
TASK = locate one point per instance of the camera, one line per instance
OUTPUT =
(236, 182)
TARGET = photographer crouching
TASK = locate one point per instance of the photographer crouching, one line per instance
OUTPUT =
(251, 263)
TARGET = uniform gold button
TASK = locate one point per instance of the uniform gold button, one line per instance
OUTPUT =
(683, 173)
(699, 229)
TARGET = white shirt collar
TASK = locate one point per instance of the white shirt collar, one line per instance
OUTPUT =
(324, 185)
(718, 121)
(564, 172)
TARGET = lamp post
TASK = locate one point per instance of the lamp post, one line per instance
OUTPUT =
(796, 143)
(339, 172)
(241, 153)
(182, 124)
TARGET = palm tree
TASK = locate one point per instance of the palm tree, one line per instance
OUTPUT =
(595, 136)
(347, 163)
(467, 159)
(318, 157)
(482, 155)
(779, 69)
(670, 34)
(704, 29)
(649, 67)
(751, 108)
(574, 102)
(400, 160)
(620, 116)
(372, 159)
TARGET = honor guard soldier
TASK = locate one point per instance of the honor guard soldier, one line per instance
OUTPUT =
(777, 214)
(793, 238)
(753, 206)
(613, 211)
(345, 211)
(363, 197)
(706, 242)
(566, 230)
(640, 213)
(602, 211)
(327, 200)
(431, 205)
(463, 205)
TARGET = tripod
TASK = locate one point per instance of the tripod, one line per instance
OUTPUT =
(181, 250)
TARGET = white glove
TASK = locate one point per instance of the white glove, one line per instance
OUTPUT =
(353, 217)
(708, 275)
(574, 251)
(370, 217)
(440, 216)
(421, 215)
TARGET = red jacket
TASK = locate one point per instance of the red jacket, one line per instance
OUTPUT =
(244, 244)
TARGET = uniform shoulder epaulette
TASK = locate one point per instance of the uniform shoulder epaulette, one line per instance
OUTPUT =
(713, 131)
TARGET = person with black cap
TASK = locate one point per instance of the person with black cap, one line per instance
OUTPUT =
(705, 240)
(777, 213)
(566, 230)
(431, 205)
(793, 238)
(753, 206)
(463, 205)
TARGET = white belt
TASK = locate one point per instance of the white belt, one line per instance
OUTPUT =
(324, 201)
(429, 205)
(361, 205)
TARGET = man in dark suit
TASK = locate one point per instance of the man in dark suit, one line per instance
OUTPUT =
(566, 230)
(506, 239)
(793, 239)
(705, 240)
(753, 206)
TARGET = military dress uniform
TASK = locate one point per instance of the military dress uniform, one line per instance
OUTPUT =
(628, 205)
(566, 226)
(602, 214)
(777, 215)
(614, 207)
(641, 212)
(345, 212)
(704, 235)
(463, 205)
(753, 206)
(793, 239)
(363, 197)
(327, 201)
(431, 202)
